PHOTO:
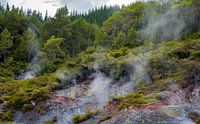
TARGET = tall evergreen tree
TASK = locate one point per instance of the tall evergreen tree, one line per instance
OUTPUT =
(53, 48)
(7, 7)
(46, 16)
(5, 43)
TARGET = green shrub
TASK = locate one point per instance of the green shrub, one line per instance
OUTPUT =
(57, 61)
(116, 71)
(135, 99)
(193, 35)
(71, 64)
(6, 98)
(4, 80)
(48, 66)
(182, 3)
(198, 120)
(195, 117)
(27, 107)
(195, 55)
(39, 94)
(90, 50)
(6, 116)
(48, 122)
(119, 53)
(192, 72)
(116, 54)
(81, 118)
(180, 53)
(16, 102)
(18, 94)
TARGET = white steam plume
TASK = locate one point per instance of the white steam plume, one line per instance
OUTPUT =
(140, 66)
(166, 26)
(33, 48)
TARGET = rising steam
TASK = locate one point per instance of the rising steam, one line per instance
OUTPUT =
(164, 26)
(100, 89)
(140, 66)
(33, 48)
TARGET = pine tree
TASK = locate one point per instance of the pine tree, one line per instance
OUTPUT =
(46, 16)
(5, 43)
(62, 12)
(7, 7)
(52, 48)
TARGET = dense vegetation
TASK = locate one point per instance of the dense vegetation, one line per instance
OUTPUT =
(109, 36)
(96, 15)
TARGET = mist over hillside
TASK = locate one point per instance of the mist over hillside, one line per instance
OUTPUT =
(137, 64)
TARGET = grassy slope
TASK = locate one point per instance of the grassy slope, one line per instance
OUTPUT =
(169, 62)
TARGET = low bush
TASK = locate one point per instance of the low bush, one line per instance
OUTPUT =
(81, 118)
(180, 53)
(119, 53)
(18, 94)
(195, 55)
(6, 116)
(195, 117)
(135, 99)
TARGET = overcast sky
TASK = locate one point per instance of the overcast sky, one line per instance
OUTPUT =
(52, 5)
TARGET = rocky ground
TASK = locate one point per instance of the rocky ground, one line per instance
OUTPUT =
(173, 108)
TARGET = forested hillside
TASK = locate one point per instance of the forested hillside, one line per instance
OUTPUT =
(144, 57)
(96, 15)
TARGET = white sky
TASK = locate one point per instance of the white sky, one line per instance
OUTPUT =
(52, 5)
